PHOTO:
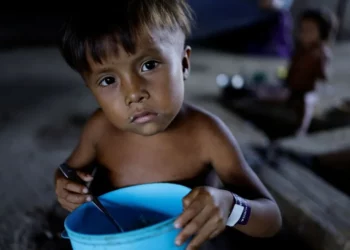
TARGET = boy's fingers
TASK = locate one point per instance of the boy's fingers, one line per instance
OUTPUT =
(215, 234)
(194, 226)
(66, 205)
(202, 236)
(70, 201)
(84, 176)
(76, 188)
(77, 198)
(73, 197)
(189, 213)
(205, 233)
(188, 199)
(70, 194)
(60, 187)
(67, 196)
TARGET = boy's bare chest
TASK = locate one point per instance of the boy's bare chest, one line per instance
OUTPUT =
(135, 163)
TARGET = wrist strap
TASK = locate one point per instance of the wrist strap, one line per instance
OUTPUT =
(240, 213)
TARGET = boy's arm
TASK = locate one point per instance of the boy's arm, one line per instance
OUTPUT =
(70, 194)
(228, 161)
(85, 152)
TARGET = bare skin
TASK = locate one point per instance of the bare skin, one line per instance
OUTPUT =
(174, 141)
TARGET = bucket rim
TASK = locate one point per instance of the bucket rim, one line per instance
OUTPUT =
(138, 234)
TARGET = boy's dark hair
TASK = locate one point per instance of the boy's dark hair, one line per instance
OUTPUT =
(102, 29)
(324, 19)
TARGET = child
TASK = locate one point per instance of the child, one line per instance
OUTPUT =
(310, 62)
(134, 60)
(308, 66)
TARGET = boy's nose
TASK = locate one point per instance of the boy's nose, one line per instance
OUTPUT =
(135, 94)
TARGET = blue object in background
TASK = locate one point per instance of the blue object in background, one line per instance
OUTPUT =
(215, 16)
(157, 204)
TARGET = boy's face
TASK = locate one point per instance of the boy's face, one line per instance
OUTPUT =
(143, 92)
(309, 32)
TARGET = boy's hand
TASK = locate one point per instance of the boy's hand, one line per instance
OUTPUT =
(206, 211)
(70, 194)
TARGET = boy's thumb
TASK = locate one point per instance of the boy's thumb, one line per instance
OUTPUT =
(84, 176)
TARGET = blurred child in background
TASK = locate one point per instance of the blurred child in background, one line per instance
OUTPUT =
(308, 66)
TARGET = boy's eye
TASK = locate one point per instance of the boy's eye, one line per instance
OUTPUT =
(149, 65)
(107, 81)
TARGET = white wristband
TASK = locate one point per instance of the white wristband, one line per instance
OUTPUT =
(240, 213)
(236, 214)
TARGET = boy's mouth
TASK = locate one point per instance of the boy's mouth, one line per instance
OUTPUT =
(143, 117)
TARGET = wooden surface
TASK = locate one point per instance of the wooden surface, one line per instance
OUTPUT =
(317, 211)
(337, 160)
(279, 121)
(320, 143)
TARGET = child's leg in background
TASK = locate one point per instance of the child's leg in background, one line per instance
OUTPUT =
(304, 107)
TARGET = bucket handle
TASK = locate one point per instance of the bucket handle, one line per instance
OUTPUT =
(64, 234)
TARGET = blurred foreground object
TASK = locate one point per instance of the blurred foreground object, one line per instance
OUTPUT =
(275, 4)
(282, 73)
(243, 26)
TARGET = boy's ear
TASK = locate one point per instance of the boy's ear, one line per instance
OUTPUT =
(186, 65)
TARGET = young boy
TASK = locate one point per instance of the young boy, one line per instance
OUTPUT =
(134, 60)
(310, 62)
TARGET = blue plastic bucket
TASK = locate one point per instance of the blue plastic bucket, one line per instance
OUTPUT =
(157, 204)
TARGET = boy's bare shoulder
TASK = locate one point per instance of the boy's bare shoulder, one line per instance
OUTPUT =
(84, 153)
(95, 126)
(208, 125)
(218, 144)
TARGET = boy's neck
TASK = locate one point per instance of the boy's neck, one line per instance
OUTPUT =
(178, 118)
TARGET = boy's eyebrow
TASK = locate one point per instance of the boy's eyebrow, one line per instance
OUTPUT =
(98, 71)
(103, 69)
(145, 51)
(138, 56)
